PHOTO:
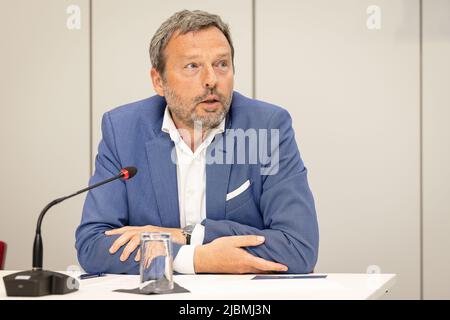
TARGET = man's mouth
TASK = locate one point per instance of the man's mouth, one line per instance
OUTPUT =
(211, 99)
(210, 103)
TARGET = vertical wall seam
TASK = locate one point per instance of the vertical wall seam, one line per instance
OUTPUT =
(421, 146)
(253, 49)
(90, 91)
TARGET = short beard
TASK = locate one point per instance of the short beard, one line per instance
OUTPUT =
(186, 112)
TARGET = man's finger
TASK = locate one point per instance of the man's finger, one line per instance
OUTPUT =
(138, 256)
(245, 241)
(120, 241)
(117, 231)
(265, 265)
(131, 246)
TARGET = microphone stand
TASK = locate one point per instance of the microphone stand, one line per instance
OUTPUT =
(38, 282)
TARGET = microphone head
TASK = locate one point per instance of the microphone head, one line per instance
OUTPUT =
(128, 172)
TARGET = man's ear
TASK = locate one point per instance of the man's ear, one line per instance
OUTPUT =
(157, 82)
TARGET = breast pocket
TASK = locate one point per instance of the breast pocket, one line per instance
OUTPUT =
(239, 196)
(241, 208)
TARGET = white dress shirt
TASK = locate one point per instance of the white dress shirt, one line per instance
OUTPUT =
(191, 177)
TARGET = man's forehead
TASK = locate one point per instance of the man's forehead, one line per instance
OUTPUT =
(210, 31)
(192, 44)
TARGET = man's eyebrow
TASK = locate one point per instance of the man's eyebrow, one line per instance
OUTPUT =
(225, 54)
(194, 56)
(191, 56)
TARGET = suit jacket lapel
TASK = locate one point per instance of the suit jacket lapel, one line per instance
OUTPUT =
(163, 173)
(217, 176)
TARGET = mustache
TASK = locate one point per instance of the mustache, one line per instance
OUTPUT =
(210, 92)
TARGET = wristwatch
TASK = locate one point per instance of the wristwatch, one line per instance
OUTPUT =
(187, 232)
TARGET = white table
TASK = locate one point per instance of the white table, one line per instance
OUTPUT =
(234, 287)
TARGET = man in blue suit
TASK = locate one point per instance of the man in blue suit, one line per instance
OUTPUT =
(219, 171)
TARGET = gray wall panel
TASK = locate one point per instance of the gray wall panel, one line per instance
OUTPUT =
(436, 148)
(353, 94)
(44, 128)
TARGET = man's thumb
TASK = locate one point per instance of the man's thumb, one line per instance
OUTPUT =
(247, 241)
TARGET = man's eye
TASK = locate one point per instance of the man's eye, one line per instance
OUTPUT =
(191, 66)
(223, 64)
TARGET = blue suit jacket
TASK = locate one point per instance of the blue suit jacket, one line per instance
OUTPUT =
(278, 206)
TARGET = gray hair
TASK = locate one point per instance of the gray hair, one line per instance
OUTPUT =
(184, 21)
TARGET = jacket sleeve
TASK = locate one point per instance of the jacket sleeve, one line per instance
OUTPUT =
(287, 206)
(105, 208)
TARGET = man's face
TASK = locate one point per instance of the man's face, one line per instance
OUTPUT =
(198, 78)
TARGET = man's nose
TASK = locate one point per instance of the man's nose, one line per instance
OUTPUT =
(209, 78)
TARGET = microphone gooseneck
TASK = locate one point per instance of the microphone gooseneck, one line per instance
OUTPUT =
(125, 174)
(38, 282)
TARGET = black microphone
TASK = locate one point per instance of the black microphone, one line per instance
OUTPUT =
(39, 282)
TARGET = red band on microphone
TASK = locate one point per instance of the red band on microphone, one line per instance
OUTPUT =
(125, 173)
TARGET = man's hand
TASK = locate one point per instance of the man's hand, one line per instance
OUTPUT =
(152, 251)
(131, 236)
(225, 255)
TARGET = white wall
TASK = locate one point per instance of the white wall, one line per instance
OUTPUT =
(44, 127)
(354, 95)
(436, 148)
(371, 141)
